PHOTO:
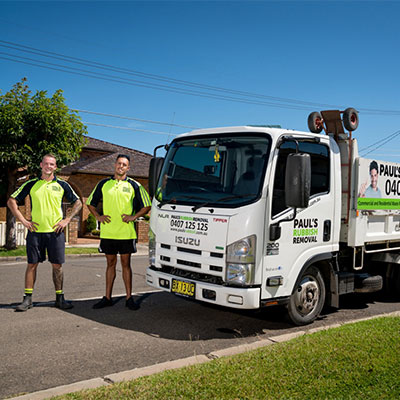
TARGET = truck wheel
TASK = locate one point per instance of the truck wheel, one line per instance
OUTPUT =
(350, 119)
(308, 298)
(315, 122)
(365, 283)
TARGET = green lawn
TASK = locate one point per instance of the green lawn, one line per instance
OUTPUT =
(355, 361)
(20, 251)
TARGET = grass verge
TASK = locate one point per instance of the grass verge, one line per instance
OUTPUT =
(355, 361)
(20, 251)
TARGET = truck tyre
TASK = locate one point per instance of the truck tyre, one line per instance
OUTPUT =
(308, 298)
(315, 124)
(368, 284)
(350, 119)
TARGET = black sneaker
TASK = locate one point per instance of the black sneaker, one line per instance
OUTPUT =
(61, 303)
(131, 304)
(104, 302)
(25, 305)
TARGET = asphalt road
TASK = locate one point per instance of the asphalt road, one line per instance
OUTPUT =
(47, 347)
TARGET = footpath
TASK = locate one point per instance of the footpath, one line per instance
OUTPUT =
(142, 250)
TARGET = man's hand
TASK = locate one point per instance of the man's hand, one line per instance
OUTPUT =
(104, 219)
(30, 225)
(128, 218)
(13, 206)
(60, 226)
(363, 188)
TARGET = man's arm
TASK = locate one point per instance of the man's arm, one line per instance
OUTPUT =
(13, 206)
(131, 218)
(64, 222)
(105, 219)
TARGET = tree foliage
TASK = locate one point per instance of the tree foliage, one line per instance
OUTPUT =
(91, 223)
(32, 125)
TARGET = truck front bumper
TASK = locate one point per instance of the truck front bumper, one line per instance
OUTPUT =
(242, 298)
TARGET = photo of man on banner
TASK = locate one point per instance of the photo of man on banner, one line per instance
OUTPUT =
(372, 191)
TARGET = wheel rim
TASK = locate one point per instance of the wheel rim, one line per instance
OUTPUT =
(307, 296)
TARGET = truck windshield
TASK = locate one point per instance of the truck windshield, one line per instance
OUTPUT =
(224, 171)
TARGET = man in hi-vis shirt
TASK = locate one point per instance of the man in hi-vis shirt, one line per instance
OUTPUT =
(46, 229)
(124, 200)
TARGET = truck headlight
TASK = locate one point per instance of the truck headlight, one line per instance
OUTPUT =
(240, 261)
(239, 274)
(152, 247)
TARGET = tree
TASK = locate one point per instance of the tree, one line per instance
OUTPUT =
(30, 127)
(91, 223)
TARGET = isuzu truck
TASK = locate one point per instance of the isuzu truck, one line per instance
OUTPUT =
(255, 216)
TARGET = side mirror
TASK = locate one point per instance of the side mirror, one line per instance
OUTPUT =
(156, 164)
(298, 180)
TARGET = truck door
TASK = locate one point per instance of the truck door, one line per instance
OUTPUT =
(309, 233)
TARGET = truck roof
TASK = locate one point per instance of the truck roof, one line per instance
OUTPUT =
(247, 128)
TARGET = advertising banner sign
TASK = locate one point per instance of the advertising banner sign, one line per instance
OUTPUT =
(378, 185)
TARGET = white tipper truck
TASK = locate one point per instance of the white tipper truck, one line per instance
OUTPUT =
(254, 216)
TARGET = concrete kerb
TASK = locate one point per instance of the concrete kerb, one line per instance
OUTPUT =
(60, 390)
(184, 362)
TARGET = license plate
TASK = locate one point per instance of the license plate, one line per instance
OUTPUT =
(183, 288)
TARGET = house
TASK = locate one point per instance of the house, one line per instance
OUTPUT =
(96, 162)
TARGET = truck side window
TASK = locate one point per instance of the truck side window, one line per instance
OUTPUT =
(320, 171)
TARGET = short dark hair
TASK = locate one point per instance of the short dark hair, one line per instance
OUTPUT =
(373, 165)
(50, 155)
(123, 156)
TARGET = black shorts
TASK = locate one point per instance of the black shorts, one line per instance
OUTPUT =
(115, 246)
(38, 243)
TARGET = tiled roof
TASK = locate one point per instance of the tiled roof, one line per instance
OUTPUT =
(98, 157)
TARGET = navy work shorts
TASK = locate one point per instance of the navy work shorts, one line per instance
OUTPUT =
(115, 246)
(38, 243)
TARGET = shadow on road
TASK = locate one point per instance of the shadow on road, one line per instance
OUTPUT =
(169, 317)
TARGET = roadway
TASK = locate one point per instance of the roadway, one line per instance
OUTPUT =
(47, 347)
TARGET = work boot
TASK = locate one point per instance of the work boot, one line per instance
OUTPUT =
(61, 303)
(132, 304)
(104, 302)
(25, 305)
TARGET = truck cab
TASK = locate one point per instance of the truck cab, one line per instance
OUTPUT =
(253, 216)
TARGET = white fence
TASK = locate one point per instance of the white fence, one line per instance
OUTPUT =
(21, 232)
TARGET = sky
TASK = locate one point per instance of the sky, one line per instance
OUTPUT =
(204, 64)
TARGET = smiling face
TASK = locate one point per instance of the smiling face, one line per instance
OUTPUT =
(121, 167)
(48, 166)
(374, 178)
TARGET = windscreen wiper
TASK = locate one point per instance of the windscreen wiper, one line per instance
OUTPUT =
(174, 200)
(236, 196)
(165, 202)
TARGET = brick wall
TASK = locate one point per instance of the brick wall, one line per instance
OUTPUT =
(142, 231)
(73, 230)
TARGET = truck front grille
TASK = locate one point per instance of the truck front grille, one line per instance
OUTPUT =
(189, 263)
(186, 262)
(180, 273)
